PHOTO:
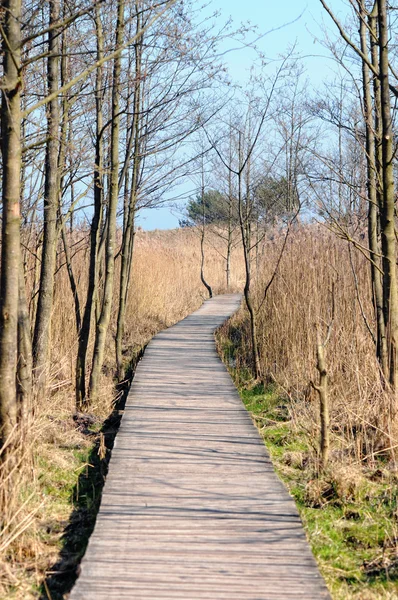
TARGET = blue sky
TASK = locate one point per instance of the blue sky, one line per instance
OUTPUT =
(286, 22)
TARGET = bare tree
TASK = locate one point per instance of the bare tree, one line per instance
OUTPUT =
(95, 229)
(373, 22)
(103, 322)
(11, 191)
(41, 338)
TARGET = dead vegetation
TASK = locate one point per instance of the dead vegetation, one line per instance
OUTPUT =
(354, 497)
(43, 497)
(349, 506)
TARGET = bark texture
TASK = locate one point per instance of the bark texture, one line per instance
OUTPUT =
(130, 204)
(322, 389)
(373, 199)
(11, 191)
(103, 322)
(95, 230)
(42, 332)
(388, 210)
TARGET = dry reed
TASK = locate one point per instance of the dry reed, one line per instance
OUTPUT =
(319, 271)
(165, 287)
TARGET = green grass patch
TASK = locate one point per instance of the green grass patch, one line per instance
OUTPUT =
(350, 520)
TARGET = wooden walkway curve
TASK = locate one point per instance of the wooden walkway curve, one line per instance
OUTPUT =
(192, 508)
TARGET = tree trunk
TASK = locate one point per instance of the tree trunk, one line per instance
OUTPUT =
(228, 261)
(373, 211)
(24, 369)
(11, 191)
(42, 332)
(65, 131)
(202, 239)
(128, 233)
(322, 389)
(245, 235)
(202, 263)
(127, 253)
(72, 280)
(84, 334)
(230, 223)
(103, 323)
(387, 214)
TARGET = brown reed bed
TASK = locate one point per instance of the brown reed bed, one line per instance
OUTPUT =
(350, 507)
(46, 485)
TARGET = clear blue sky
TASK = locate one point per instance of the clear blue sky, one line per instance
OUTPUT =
(287, 22)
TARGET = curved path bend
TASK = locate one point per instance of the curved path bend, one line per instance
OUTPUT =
(192, 508)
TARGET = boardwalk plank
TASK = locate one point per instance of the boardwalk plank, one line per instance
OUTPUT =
(192, 508)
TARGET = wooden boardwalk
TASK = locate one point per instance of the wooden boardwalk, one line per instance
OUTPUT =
(192, 508)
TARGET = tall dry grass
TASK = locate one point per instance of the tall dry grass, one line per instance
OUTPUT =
(165, 288)
(318, 272)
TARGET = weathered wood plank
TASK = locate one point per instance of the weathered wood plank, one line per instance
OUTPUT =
(192, 508)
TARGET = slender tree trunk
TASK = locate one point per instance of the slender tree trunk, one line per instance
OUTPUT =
(42, 332)
(65, 130)
(25, 360)
(127, 252)
(228, 260)
(72, 280)
(373, 27)
(387, 214)
(11, 192)
(128, 233)
(202, 238)
(95, 230)
(373, 211)
(202, 263)
(322, 389)
(103, 323)
(230, 223)
(245, 234)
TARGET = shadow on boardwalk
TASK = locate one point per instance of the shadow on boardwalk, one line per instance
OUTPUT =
(86, 498)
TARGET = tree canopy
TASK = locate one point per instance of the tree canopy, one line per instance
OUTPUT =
(271, 197)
